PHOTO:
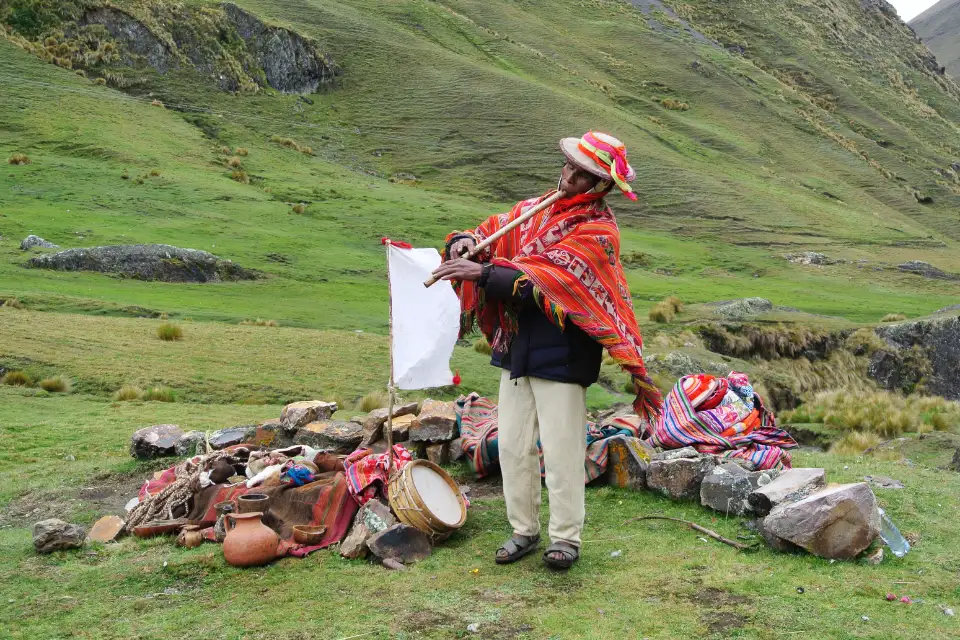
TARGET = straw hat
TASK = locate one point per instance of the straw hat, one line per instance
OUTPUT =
(602, 155)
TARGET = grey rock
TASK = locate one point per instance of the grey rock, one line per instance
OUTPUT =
(838, 522)
(437, 422)
(152, 262)
(137, 39)
(157, 441)
(36, 241)
(789, 486)
(926, 270)
(883, 482)
(456, 449)
(297, 415)
(955, 463)
(743, 308)
(727, 487)
(773, 540)
(56, 535)
(676, 454)
(372, 518)
(809, 257)
(340, 437)
(374, 421)
(627, 462)
(935, 340)
(679, 479)
(223, 438)
(191, 444)
(439, 453)
(401, 542)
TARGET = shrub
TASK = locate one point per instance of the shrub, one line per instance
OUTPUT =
(482, 346)
(16, 379)
(235, 162)
(855, 443)
(662, 313)
(374, 400)
(242, 151)
(260, 323)
(299, 208)
(154, 173)
(674, 302)
(100, 81)
(128, 392)
(169, 331)
(160, 394)
(674, 105)
(864, 341)
(306, 150)
(240, 176)
(225, 150)
(19, 159)
(893, 317)
(12, 303)
(58, 384)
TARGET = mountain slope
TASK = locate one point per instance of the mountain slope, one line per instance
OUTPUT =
(939, 28)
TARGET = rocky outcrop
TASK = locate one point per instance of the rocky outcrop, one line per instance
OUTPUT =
(743, 308)
(138, 41)
(36, 241)
(810, 257)
(926, 270)
(935, 341)
(160, 262)
(157, 441)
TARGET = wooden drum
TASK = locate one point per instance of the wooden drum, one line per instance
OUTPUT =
(425, 496)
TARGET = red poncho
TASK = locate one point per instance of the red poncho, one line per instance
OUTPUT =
(570, 253)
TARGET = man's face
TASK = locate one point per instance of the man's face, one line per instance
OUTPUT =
(574, 180)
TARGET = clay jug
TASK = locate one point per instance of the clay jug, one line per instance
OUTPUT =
(249, 543)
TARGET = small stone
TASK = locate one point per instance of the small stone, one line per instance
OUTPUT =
(948, 612)
(341, 437)
(372, 518)
(439, 454)
(377, 516)
(789, 486)
(354, 546)
(56, 535)
(437, 422)
(374, 421)
(191, 443)
(883, 482)
(676, 454)
(157, 441)
(70, 458)
(874, 558)
(297, 415)
(865, 618)
(393, 565)
(223, 438)
(627, 462)
(679, 479)
(401, 542)
(456, 449)
(473, 628)
(106, 529)
(616, 554)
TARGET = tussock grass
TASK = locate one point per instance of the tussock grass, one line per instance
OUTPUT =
(854, 443)
(893, 317)
(57, 384)
(160, 394)
(100, 81)
(768, 342)
(481, 345)
(235, 162)
(16, 379)
(154, 173)
(127, 393)
(674, 302)
(299, 208)
(19, 159)
(290, 143)
(157, 103)
(864, 342)
(373, 400)
(674, 105)
(225, 151)
(240, 176)
(13, 303)
(259, 322)
(662, 313)
(169, 331)
(345, 404)
(242, 152)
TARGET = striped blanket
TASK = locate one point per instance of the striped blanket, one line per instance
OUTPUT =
(735, 425)
(477, 417)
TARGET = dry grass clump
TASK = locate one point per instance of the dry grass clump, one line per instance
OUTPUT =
(157, 103)
(225, 151)
(855, 443)
(19, 159)
(674, 105)
(240, 176)
(169, 331)
(879, 412)
(160, 394)
(57, 384)
(893, 317)
(100, 81)
(674, 302)
(306, 150)
(767, 342)
(16, 379)
(260, 323)
(373, 400)
(864, 342)
(12, 303)
(154, 173)
(128, 392)
(242, 152)
(662, 312)
(290, 143)
(299, 208)
(235, 162)
(482, 346)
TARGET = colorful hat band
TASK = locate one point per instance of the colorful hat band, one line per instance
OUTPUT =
(610, 158)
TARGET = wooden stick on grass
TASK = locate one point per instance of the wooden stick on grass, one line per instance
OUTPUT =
(713, 534)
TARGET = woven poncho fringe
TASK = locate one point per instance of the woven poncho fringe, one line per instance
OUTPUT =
(570, 253)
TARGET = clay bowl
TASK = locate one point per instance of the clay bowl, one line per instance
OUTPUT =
(253, 502)
(307, 534)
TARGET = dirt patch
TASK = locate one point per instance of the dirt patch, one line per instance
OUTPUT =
(426, 621)
(719, 597)
(722, 622)
(489, 487)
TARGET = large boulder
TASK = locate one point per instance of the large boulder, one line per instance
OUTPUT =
(926, 270)
(56, 535)
(680, 478)
(158, 441)
(223, 438)
(727, 487)
(159, 262)
(297, 415)
(190, 444)
(36, 241)
(838, 522)
(374, 421)
(439, 454)
(437, 422)
(934, 341)
(341, 437)
(790, 486)
(627, 462)
(401, 542)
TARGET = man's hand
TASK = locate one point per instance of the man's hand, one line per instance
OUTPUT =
(459, 269)
(461, 247)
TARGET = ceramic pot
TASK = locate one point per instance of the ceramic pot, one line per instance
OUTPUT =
(253, 503)
(249, 543)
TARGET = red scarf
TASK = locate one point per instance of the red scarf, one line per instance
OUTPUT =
(570, 253)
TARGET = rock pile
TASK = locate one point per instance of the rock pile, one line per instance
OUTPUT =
(36, 241)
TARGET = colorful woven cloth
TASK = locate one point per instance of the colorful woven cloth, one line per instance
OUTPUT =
(737, 428)
(570, 252)
(367, 472)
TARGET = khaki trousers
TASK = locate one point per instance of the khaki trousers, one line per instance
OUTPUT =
(556, 412)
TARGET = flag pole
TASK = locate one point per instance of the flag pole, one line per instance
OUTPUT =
(391, 388)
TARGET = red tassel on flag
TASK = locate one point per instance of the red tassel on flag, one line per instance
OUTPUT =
(457, 379)
(396, 243)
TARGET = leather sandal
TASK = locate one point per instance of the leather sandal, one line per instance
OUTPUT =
(516, 547)
(569, 554)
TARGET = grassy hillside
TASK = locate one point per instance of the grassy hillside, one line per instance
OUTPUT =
(939, 28)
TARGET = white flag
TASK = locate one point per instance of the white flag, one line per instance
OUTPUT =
(426, 321)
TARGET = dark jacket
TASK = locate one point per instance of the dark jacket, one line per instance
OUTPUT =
(540, 349)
